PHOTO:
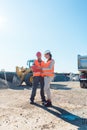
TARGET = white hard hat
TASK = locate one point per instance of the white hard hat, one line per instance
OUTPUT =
(47, 51)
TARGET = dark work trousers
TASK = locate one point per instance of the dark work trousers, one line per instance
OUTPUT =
(36, 81)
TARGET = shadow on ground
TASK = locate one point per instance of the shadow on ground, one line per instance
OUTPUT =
(53, 86)
(66, 116)
(22, 87)
(59, 86)
(5, 85)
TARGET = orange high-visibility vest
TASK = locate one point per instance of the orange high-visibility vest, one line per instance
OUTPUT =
(38, 64)
(49, 72)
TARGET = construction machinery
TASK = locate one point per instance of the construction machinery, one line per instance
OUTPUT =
(25, 74)
(21, 75)
(82, 67)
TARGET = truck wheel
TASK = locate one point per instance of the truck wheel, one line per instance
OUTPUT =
(83, 84)
(29, 79)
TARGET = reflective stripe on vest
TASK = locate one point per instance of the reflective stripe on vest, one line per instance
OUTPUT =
(36, 73)
(39, 65)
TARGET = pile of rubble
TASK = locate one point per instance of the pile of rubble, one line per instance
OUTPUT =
(5, 84)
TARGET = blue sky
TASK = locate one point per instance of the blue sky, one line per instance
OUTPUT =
(28, 26)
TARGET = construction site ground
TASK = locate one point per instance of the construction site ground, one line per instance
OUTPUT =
(69, 110)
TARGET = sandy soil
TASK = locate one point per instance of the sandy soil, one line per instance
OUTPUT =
(69, 110)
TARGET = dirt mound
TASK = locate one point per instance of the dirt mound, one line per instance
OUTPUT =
(5, 84)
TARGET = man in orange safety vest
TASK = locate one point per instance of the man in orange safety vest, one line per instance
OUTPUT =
(37, 78)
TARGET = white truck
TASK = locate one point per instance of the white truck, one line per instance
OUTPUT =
(82, 67)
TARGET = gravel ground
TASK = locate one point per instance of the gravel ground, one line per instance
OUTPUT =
(69, 110)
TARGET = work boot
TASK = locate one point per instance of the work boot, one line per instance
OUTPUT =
(44, 102)
(31, 102)
(48, 104)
